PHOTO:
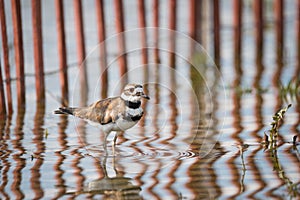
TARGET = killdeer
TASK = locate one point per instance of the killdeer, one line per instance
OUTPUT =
(113, 114)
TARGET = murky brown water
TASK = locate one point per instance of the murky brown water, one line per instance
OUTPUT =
(200, 137)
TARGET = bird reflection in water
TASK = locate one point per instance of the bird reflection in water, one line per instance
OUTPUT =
(117, 187)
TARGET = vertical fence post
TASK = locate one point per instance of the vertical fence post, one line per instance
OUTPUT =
(101, 38)
(259, 23)
(142, 24)
(297, 72)
(237, 25)
(298, 27)
(216, 24)
(258, 6)
(19, 55)
(80, 50)
(62, 54)
(38, 49)
(237, 39)
(172, 14)
(279, 32)
(6, 57)
(79, 30)
(2, 95)
(156, 25)
(172, 27)
(279, 18)
(195, 20)
(120, 29)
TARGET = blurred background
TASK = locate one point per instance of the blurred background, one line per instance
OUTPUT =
(216, 72)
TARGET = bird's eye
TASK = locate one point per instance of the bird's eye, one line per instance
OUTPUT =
(131, 89)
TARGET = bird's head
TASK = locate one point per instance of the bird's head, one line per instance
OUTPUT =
(133, 93)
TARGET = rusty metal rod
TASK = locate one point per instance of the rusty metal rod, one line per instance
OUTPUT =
(142, 25)
(144, 48)
(38, 50)
(195, 19)
(216, 22)
(172, 27)
(79, 31)
(237, 25)
(298, 26)
(297, 71)
(279, 22)
(6, 58)
(259, 24)
(193, 24)
(279, 35)
(80, 51)
(172, 14)
(2, 95)
(120, 29)
(19, 54)
(156, 25)
(62, 53)
(101, 37)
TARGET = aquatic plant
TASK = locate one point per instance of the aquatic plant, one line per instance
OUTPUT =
(292, 188)
(274, 131)
(270, 141)
(243, 90)
(291, 90)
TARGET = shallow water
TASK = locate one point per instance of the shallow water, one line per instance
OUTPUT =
(201, 137)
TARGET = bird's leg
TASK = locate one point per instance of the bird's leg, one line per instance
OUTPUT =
(115, 139)
(114, 143)
(105, 145)
(104, 166)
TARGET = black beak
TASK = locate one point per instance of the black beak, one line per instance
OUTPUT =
(146, 97)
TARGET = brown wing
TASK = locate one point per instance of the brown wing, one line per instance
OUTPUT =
(102, 110)
(107, 110)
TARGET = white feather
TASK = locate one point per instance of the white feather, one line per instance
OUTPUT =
(134, 112)
(130, 98)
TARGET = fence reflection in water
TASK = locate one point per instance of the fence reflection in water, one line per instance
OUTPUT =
(184, 147)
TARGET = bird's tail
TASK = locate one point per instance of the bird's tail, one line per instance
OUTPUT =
(65, 110)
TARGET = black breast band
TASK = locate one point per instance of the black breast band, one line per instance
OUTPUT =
(136, 118)
(133, 105)
(133, 117)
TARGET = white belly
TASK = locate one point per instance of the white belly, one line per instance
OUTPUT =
(119, 125)
(122, 125)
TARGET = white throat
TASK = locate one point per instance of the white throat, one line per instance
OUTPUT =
(130, 98)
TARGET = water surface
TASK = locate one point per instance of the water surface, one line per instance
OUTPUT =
(201, 137)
